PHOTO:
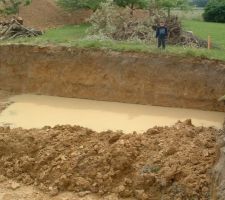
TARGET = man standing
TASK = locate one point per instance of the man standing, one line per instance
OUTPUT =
(161, 34)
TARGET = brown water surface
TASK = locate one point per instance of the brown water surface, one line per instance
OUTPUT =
(34, 111)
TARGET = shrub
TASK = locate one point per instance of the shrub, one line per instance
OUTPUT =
(215, 11)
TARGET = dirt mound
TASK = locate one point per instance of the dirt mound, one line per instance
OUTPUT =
(45, 14)
(162, 163)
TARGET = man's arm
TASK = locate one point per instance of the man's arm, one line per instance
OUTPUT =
(157, 32)
(166, 32)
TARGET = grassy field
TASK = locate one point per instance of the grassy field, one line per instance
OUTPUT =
(77, 36)
(204, 29)
(192, 14)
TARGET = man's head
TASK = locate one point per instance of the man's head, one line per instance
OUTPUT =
(162, 23)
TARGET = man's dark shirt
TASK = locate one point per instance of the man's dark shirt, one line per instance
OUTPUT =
(161, 32)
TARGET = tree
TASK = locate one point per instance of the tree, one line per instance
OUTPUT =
(200, 3)
(12, 6)
(215, 11)
(79, 4)
(132, 4)
(169, 4)
(94, 4)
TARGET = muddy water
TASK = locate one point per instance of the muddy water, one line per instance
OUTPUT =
(33, 111)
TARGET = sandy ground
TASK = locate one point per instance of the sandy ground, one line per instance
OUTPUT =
(11, 190)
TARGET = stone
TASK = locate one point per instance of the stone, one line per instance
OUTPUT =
(14, 185)
(53, 191)
(83, 194)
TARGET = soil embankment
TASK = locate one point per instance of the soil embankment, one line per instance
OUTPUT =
(218, 171)
(44, 14)
(163, 80)
(163, 163)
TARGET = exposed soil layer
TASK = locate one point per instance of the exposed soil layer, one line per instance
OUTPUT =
(155, 79)
(163, 163)
(218, 171)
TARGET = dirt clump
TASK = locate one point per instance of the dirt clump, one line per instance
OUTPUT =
(163, 163)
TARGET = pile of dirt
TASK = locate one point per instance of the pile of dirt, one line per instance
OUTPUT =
(163, 163)
(43, 14)
(218, 171)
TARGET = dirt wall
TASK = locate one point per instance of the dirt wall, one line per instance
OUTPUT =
(162, 80)
(218, 170)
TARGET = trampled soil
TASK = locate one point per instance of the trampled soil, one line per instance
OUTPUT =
(163, 163)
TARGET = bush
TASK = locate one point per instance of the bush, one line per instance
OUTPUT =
(116, 23)
(215, 11)
(200, 3)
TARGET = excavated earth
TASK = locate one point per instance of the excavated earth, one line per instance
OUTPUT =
(170, 163)
(163, 163)
(72, 162)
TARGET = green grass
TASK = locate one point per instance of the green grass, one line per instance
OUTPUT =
(64, 34)
(204, 29)
(77, 36)
(192, 14)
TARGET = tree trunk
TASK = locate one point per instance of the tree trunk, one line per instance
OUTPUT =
(132, 9)
(168, 12)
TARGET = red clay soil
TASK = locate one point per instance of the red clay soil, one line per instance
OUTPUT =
(163, 163)
(43, 14)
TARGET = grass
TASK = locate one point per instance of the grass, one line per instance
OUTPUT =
(192, 14)
(77, 36)
(205, 29)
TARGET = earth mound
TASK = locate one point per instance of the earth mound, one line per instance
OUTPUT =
(43, 14)
(163, 163)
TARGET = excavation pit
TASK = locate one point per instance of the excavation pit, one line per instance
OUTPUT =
(157, 158)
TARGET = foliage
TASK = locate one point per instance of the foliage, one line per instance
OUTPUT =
(105, 20)
(132, 4)
(215, 11)
(12, 6)
(79, 4)
(114, 22)
(94, 4)
(168, 5)
(200, 3)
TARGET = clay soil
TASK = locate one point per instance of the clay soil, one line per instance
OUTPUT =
(163, 163)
